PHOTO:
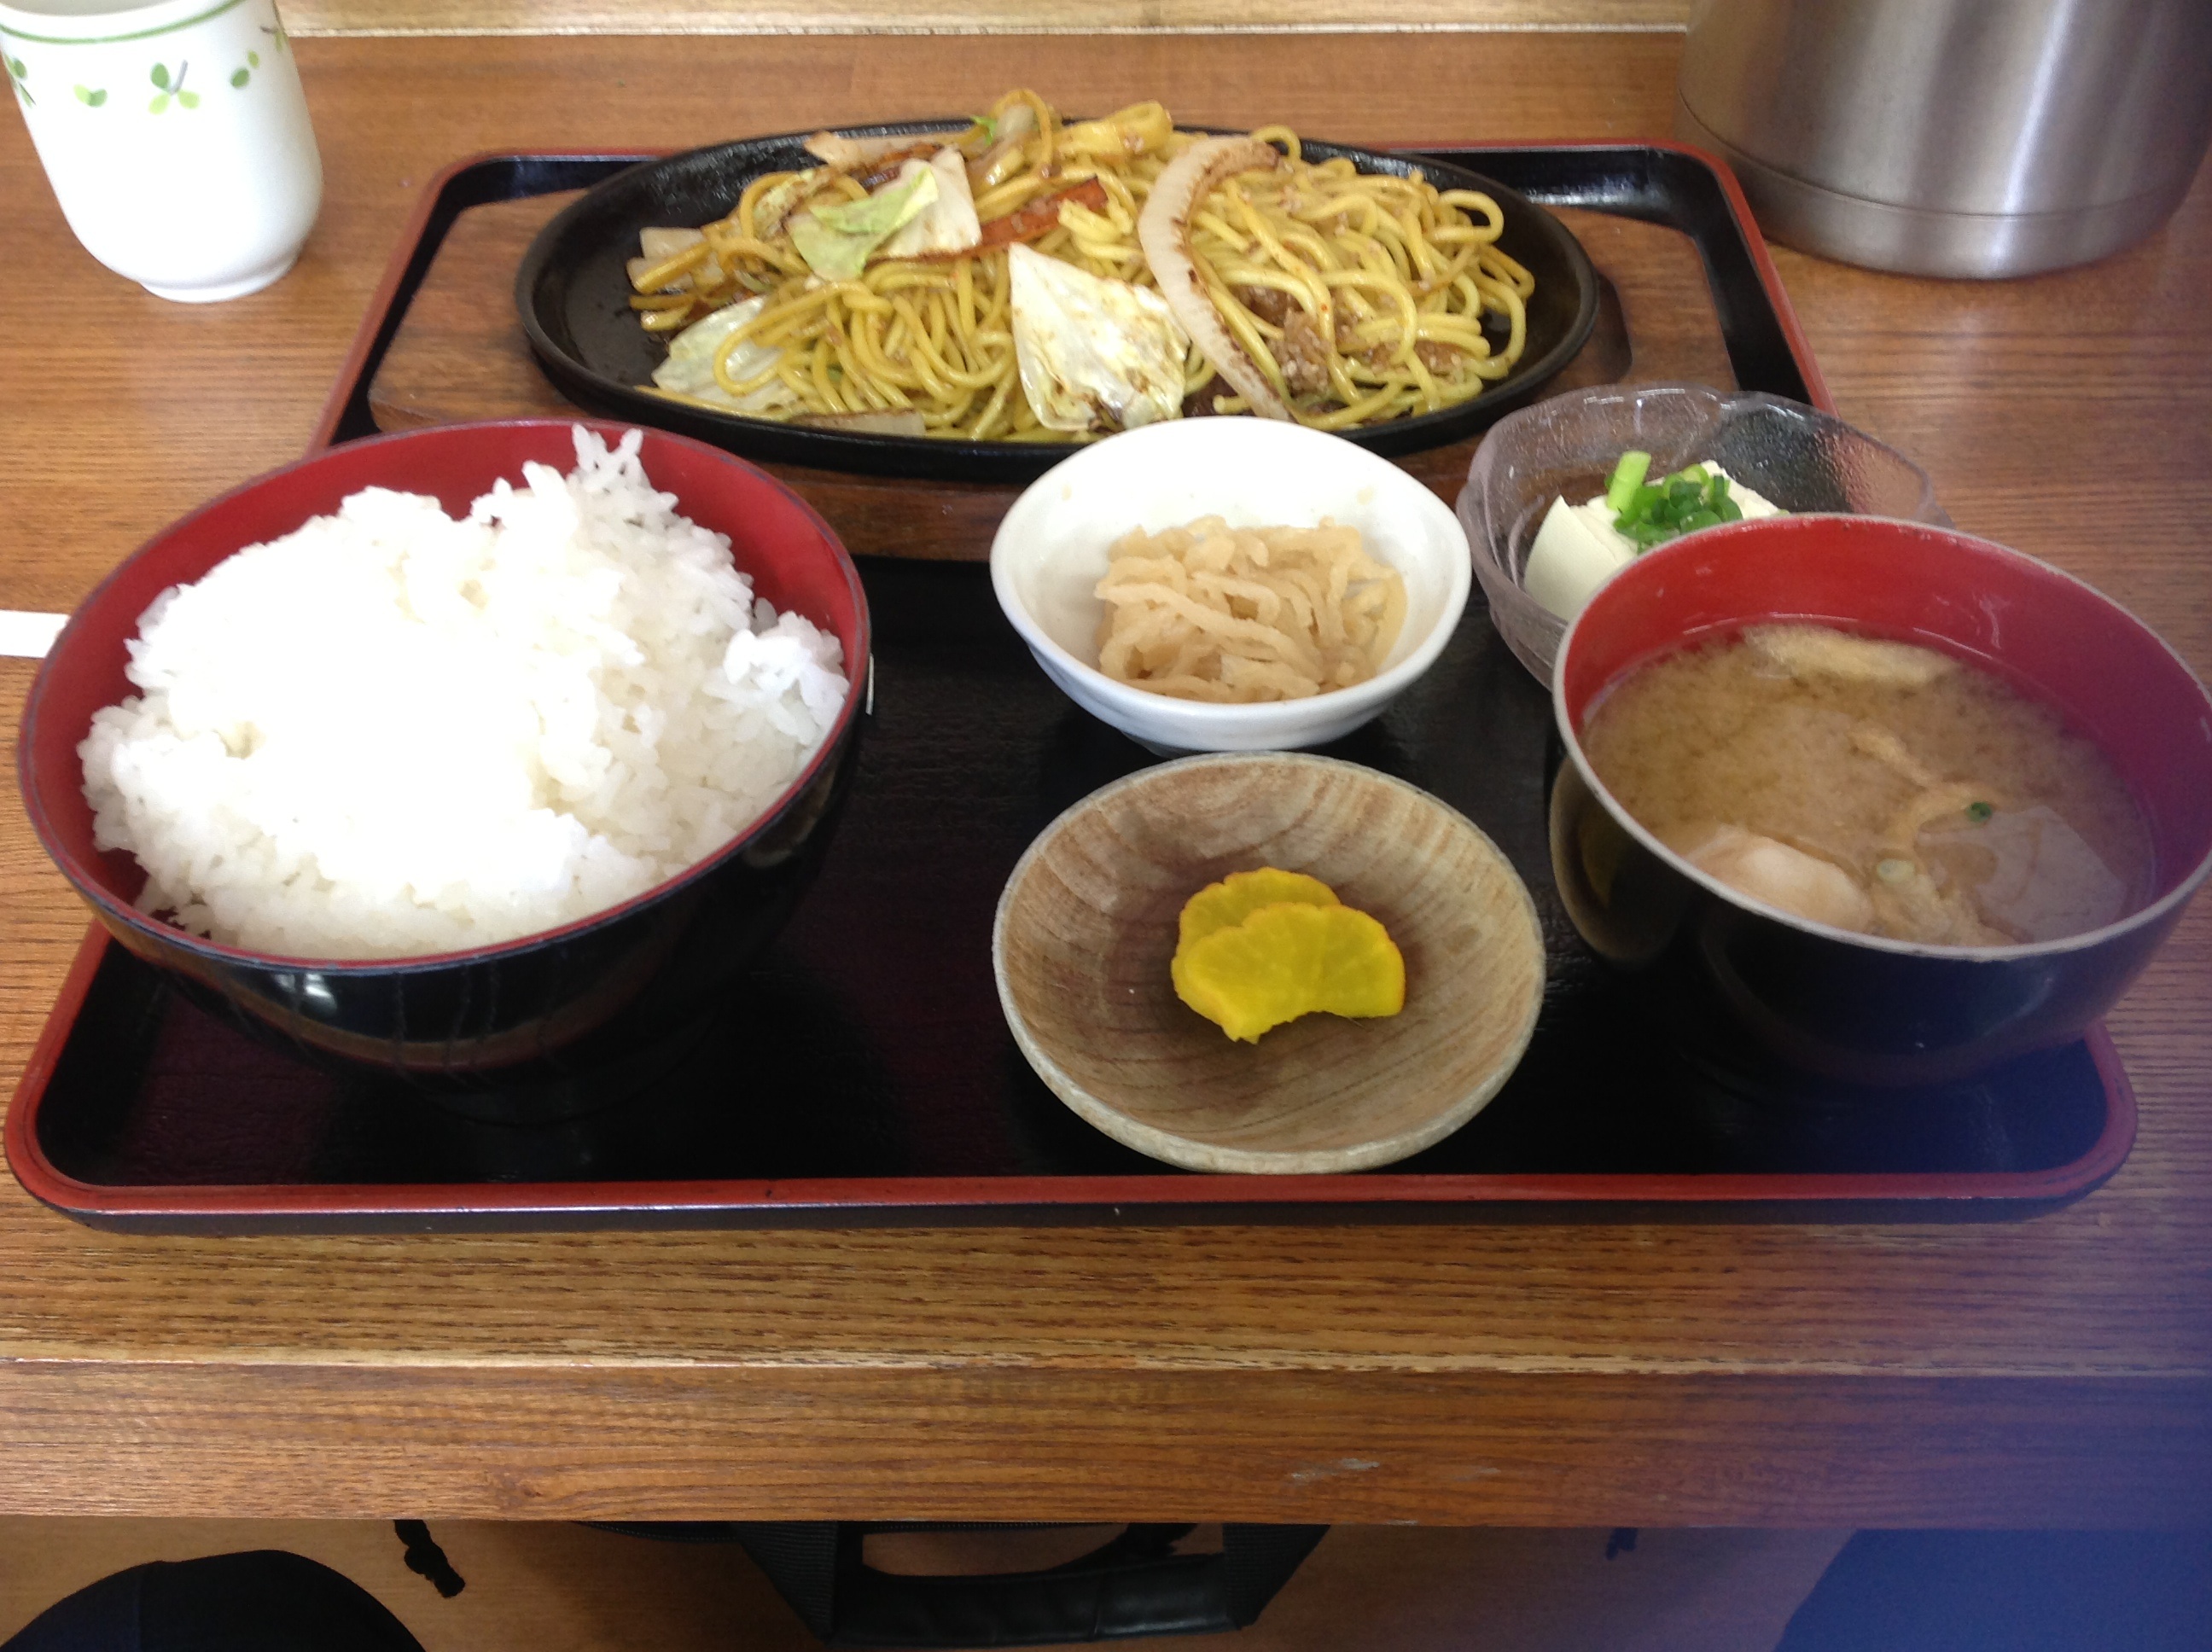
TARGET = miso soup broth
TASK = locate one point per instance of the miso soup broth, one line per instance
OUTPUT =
(1874, 785)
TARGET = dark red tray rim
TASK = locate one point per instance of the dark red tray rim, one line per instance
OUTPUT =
(985, 1198)
(983, 1194)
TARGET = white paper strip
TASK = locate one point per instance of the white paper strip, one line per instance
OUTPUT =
(27, 636)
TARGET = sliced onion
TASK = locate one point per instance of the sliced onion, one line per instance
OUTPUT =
(835, 149)
(1163, 231)
(902, 421)
(1004, 157)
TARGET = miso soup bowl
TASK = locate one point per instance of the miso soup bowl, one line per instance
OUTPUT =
(1830, 1001)
(543, 1023)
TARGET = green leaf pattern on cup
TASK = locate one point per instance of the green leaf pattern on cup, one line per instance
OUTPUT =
(168, 89)
(172, 89)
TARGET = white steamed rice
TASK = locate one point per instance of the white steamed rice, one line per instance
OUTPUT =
(391, 734)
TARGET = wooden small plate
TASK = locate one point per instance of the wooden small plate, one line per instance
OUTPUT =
(1087, 926)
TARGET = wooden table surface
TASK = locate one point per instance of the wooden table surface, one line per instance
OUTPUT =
(2056, 1370)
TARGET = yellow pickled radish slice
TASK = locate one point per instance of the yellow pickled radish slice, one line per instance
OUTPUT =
(1363, 974)
(1289, 959)
(1236, 897)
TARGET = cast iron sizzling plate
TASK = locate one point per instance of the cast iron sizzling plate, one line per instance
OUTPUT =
(572, 292)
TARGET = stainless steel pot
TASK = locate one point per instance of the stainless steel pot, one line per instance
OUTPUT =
(1953, 137)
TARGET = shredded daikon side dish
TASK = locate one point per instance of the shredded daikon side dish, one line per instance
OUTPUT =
(1208, 611)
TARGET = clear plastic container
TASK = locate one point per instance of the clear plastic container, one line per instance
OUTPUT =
(1800, 458)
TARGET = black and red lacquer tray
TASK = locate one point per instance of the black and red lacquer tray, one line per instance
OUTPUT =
(865, 1075)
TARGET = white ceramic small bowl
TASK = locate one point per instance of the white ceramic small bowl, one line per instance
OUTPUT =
(1051, 551)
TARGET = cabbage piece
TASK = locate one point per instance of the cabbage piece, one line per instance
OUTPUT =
(1095, 353)
(689, 368)
(949, 223)
(836, 241)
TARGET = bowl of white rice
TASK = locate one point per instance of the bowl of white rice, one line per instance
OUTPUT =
(486, 754)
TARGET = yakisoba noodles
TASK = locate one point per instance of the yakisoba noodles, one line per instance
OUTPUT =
(1185, 274)
(1212, 612)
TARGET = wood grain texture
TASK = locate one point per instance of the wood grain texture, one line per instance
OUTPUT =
(1085, 936)
(460, 354)
(1597, 1367)
(982, 1443)
(403, 17)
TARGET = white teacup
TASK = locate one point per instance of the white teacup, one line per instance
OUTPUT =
(174, 133)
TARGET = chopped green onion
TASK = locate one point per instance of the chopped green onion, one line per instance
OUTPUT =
(1628, 477)
(1642, 510)
(1893, 872)
(1648, 512)
(1980, 812)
